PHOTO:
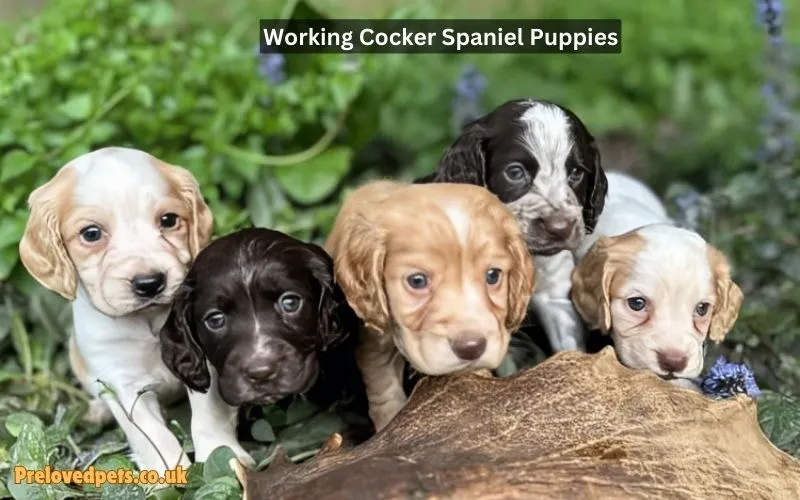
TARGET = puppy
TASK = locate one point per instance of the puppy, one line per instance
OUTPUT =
(257, 311)
(542, 162)
(440, 276)
(660, 291)
(114, 232)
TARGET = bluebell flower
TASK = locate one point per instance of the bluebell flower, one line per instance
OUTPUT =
(780, 124)
(272, 66)
(469, 90)
(726, 379)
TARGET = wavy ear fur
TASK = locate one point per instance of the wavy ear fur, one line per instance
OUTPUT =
(598, 189)
(729, 296)
(464, 162)
(180, 350)
(42, 249)
(522, 279)
(201, 225)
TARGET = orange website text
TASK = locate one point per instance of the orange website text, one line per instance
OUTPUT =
(97, 477)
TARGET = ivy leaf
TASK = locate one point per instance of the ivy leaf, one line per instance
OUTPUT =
(262, 431)
(218, 464)
(779, 416)
(222, 488)
(77, 107)
(14, 164)
(313, 181)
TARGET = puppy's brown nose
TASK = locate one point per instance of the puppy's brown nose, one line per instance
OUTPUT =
(262, 372)
(558, 227)
(672, 361)
(468, 348)
(149, 285)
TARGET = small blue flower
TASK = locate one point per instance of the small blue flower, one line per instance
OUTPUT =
(271, 66)
(726, 379)
(469, 90)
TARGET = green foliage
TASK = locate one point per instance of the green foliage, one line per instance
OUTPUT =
(92, 73)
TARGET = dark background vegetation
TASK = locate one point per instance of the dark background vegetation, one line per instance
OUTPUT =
(277, 141)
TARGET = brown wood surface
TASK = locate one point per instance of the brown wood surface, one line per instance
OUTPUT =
(576, 426)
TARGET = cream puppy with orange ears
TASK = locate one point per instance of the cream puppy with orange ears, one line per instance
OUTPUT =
(114, 231)
(660, 291)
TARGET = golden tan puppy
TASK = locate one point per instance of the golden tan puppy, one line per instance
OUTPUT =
(660, 290)
(440, 275)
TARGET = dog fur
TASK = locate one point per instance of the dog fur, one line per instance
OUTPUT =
(440, 276)
(114, 232)
(659, 290)
(542, 162)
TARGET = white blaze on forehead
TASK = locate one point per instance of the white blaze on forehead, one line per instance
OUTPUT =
(676, 260)
(547, 137)
(460, 221)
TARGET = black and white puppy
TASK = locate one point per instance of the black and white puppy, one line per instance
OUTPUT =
(257, 319)
(540, 160)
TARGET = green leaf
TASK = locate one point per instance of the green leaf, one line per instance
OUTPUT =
(14, 164)
(122, 492)
(77, 107)
(170, 493)
(16, 421)
(218, 464)
(143, 95)
(21, 341)
(318, 178)
(221, 488)
(262, 431)
(779, 416)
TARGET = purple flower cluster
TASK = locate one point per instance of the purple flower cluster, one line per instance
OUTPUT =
(780, 125)
(726, 379)
(272, 66)
(469, 90)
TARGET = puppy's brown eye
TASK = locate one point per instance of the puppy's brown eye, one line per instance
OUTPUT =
(514, 172)
(417, 281)
(575, 176)
(290, 302)
(637, 303)
(168, 221)
(215, 321)
(91, 234)
(702, 308)
(493, 276)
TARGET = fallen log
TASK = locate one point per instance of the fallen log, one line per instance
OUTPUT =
(577, 426)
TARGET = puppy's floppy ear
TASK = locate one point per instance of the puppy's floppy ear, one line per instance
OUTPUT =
(179, 348)
(729, 296)
(597, 189)
(591, 286)
(332, 307)
(358, 248)
(464, 162)
(42, 249)
(609, 259)
(521, 279)
(201, 225)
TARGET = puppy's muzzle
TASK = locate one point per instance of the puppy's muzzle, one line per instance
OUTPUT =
(149, 286)
(468, 347)
(556, 227)
(672, 361)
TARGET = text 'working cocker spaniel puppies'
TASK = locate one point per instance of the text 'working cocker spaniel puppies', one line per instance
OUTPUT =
(255, 315)
(114, 232)
(660, 291)
(540, 160)
(439, 273)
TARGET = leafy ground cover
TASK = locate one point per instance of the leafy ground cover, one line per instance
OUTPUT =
(700, 103)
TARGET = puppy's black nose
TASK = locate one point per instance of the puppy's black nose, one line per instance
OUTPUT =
(558, 227)
(149, 285)
(468, 349)
(261, 372)
(672, 361)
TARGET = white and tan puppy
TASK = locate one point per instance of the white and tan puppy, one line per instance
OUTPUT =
(114, 231)
(660, 291)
